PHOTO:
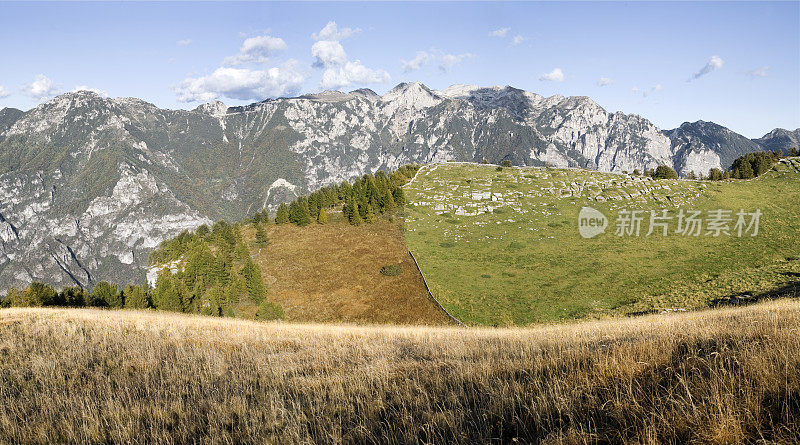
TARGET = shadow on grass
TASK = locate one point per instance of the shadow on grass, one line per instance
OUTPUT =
(790, 290)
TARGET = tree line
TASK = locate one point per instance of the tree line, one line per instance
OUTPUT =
(361, 200)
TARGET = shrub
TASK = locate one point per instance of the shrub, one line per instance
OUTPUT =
(506, 163)
(268, 310)
(499, 168)
(391, 270)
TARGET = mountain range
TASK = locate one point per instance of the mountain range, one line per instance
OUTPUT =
(90, 185)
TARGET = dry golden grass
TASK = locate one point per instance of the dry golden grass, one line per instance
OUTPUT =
(71, 375)
(331, 273)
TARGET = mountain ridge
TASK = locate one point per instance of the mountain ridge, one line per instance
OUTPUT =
(89, 184)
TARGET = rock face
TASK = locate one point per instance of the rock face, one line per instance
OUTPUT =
(780, 140)
(89, 185)
(700, 146)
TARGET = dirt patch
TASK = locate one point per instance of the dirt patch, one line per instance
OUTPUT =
(332, 273)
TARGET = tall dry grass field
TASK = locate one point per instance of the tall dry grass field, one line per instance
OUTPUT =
(720, 376)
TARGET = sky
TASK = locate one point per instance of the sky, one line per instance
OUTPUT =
(736, 64)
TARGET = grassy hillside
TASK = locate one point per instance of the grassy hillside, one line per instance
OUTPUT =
(332, 273)
(503, 247)
(723, 376)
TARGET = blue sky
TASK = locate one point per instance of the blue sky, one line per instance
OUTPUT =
(737, 64)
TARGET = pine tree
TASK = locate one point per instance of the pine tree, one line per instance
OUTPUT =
(322, 218)
(166, 296)
(262, 240)
(254, 281)
(399, 196)
(135, 297)
(369, 214)
(105, 294)
(354, 214)
(282, 216)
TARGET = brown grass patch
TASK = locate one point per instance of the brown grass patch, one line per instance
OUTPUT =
(721, 376)
(331, 273)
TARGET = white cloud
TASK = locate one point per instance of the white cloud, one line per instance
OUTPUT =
(338, 70)
(41, 88)
(758, 72)
(328, 53)
(242, 83)
(93, 90)
(714, 63)
(635, 90)
(449, 60)
(604, 81)
(499, 32)
(444, 61)
(555, 76)
(421, 59)
(351, 73)
(517, 40)
(332, 32)
(256, 50)
(4, 92)
(184, 42)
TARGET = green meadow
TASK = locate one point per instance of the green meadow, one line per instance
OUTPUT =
(502, 247)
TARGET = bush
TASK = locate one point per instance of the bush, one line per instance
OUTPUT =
(268, 310)
(499, 168)
(506, 163)
(391, 270)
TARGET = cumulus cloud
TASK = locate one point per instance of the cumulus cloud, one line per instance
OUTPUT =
(758, 72)
(351, 73)
(256, 50)
(604, 81)
(554, 76)
(332, 32)
(328, 53)
(184, 42)
(41, 88)
(93, 90)
(242, 83)
(421, 59)
(339, 71)
(4, 92)
(502, 32)
(713, 64)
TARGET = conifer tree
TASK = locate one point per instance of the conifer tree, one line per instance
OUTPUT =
(262, 240)
(354, 215)
(282, 216)
(369, 214)
(399, 196)
(135, 297)
(322, 218)
(254, 281)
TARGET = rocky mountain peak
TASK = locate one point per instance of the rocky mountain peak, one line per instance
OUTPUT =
(214, 108)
